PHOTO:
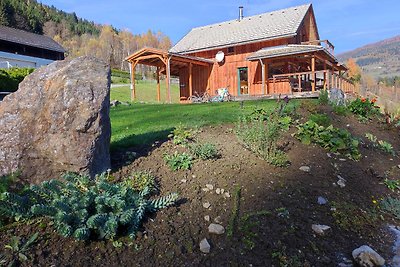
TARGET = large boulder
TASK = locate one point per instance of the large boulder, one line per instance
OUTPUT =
(58, 121)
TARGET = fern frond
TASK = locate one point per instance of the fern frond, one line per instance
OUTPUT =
(64, 229)
(96, 221)
(162, 202)
(43, 210)
(82, 233)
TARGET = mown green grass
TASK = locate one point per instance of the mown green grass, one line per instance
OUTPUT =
(142, 124)
(146, 91)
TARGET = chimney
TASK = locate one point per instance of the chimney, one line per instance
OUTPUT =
(240, 13)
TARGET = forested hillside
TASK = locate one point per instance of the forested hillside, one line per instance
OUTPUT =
(78, 36)
(381, 59)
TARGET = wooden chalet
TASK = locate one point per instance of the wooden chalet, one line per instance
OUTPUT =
(274, 53)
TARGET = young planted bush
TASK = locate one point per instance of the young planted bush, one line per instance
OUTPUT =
(139, 181)
(363, 107)
(83, 208)
(382, 145)
(391, 205)
(182, 135)
(178, 161)
(260, 132)
(204, 151)
(333, 139)
(323, 97)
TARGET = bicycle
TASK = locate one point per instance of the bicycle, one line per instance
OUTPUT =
(222, 95)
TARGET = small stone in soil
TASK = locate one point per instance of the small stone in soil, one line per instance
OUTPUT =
(193, 176)
(205, 246)
(342, 160)
(216, 229)
(184, 181)
(227, 194)
(218, 219)
(218, 191)
(329, 155)
(210, 186)
(207, 218)
(206, 205)
(322, 201)
(205, 189)
(320, 229)
(305, 169)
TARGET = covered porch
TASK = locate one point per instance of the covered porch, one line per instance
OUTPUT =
(295, 68)
(193, 72)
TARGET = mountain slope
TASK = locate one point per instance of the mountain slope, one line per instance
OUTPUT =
(377, 59)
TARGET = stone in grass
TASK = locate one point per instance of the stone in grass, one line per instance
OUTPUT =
(218, 191)
(305, 168)
(365, 256)
(216, 229)
(320, 229)
(205, 246)
(207, 218)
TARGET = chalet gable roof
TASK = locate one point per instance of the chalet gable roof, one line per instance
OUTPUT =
(30, 39)
(271, 25)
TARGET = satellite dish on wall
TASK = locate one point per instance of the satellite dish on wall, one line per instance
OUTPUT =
(219, 57)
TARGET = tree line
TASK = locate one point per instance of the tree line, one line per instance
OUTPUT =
(79, 36)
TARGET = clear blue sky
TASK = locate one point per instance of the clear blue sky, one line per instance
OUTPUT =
(348, 24)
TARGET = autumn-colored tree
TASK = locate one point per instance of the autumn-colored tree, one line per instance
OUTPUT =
(354, 73)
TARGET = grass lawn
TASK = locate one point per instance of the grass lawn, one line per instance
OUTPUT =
(146, 91)
(142, 124)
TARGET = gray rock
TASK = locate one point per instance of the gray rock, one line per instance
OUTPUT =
(320, 229)
(218, 219)
(58, 121)
(322, 201)
(205, 246)
(207, 218)
(341, 182)
(305, 169)
(206, 205)
(227, 194)
(365, 256)
(216, 229)
(336, 96)
(218, 191)
(210, 186)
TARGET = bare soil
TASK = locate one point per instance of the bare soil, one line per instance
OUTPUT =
(285, 199)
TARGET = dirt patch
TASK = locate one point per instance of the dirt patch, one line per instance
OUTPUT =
(276, 209)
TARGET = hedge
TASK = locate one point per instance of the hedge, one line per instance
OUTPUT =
(10, 78)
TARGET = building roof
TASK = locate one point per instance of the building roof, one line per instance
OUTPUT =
(271, 25)
(30, 39)
(285, 50)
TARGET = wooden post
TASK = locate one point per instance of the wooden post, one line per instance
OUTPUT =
(266, 69)
(325, 75)
(313, 73)
(158, 85)
(133, 85)
(328, 75)
(299, 77)
(262, 77)
(167, 78)
(190, 79)
(208, 78)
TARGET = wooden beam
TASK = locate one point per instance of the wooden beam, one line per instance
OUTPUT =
(190, 79)
(266, 77)
(187, 60)
(158, 85)
(313, 73)
(262, 77)
(208, 79)
(133, 85)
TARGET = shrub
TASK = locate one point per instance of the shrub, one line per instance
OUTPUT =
(320, 119)
(323, 97)
(204, 151)
(391, 205)
(363, 107)
(382, 145)
(260, 132)
(182, 135)
(333, 139)
(83, 208)
(6, 181)
(10, 79)
(178, 161)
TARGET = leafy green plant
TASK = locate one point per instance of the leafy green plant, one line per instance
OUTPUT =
(323, 97)
(393, 185)
(178, 161)
(331, 138)
(381, 144)
(18, 250)
(182, 135)
(363, 107)
(141, 180)
(320, 119)
(10, 78)
(260, 131)
(391, 205)
(6, 181)
(84, 208)
(204, 151)
(340, 110)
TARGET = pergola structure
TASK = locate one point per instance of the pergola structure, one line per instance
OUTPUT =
(300, 64)
(169, 64)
